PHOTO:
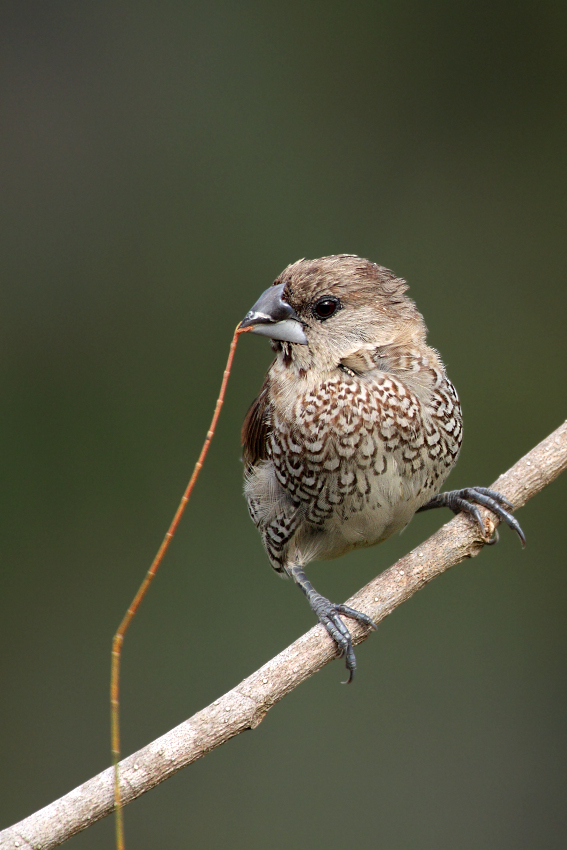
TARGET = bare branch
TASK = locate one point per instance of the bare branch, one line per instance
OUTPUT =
(245, 706)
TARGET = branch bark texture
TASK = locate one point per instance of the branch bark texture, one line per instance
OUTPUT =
(246, 705)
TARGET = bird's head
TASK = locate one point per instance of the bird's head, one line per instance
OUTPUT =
(336, 306)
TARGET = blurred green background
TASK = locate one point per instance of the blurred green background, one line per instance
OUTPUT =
(161, 163)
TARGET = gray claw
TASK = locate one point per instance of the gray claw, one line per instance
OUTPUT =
(328, 615)
(464, 500)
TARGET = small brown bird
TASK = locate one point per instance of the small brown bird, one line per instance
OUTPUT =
(355, 428)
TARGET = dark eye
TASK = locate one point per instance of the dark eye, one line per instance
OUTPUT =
(326, 307)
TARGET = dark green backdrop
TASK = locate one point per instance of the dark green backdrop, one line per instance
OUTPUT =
(160, 164)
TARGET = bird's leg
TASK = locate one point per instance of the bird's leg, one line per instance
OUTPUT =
(328, 615)
(467, 499)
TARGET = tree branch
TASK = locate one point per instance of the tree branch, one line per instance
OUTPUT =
(245, 706)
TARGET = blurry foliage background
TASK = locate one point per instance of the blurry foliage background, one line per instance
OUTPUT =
(160, 164)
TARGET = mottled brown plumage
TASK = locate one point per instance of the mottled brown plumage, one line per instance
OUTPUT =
(356, 426)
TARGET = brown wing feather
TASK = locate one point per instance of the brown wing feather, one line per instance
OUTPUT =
(256, 429)
(384, 358)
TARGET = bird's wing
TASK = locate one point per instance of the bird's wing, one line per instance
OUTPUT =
(368, 360)
(256, 428)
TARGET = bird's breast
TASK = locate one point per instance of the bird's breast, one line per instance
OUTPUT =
(346, 438)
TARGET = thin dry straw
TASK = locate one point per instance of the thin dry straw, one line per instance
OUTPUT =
(118, 639)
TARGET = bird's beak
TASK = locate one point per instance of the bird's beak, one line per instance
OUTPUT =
(272, 316)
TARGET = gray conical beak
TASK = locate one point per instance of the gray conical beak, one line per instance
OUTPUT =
(272, 316)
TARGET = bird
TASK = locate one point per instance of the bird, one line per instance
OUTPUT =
(355, 428)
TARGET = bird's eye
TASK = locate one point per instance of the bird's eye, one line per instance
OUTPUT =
(326, 307)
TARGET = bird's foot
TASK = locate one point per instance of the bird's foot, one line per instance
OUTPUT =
(328, 615)
(467, 499)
